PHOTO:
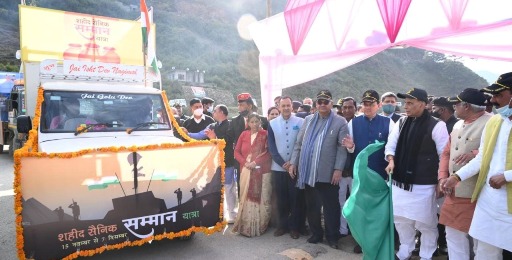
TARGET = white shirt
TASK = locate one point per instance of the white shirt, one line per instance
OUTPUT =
(198, 120)
(439, 135)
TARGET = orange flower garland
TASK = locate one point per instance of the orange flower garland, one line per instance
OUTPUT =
(173, 120)
(30, 149)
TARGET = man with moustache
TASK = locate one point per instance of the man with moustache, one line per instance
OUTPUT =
(492, 220)
(413, 150)
(346, 109)
(317, 162)
(457, 209)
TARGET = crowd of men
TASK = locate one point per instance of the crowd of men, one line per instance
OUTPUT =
(450, 159)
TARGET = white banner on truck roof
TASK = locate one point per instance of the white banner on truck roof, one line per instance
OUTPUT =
(72, 68)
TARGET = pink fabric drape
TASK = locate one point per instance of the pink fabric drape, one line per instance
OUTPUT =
(334, 34)
(393, 14)
(344, 13)
(454, 10)
(300, 15)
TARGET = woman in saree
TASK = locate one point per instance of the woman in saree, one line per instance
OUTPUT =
(255, 180)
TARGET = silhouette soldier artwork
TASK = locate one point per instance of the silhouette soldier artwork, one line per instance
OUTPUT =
(75, 209)
(179, 194)
(133, 160)
(60, 213)
(194, 193)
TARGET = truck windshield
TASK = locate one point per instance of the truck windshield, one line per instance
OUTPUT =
(68, 111)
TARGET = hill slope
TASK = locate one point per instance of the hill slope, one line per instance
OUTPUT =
(202, 34)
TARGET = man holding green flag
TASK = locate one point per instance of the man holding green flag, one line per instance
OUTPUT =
(369, 209)
(366, 129)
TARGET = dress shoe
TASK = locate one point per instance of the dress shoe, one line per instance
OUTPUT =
(314, 239)
(333, 244)
(358, 249)
(279, 232)
(294, 234)
(442, 250)
(304, 231)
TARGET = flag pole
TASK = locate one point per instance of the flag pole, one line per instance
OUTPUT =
(145, 69)
(391, 217)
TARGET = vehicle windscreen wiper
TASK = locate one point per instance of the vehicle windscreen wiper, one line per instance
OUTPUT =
(138, 126)
(89, 126)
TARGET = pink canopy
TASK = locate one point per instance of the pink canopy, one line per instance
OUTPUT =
(313, 38)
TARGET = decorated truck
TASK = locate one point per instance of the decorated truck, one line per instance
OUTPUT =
(100, 168)
(10, 83)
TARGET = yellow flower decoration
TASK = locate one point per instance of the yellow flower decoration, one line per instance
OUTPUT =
(81, 129)
(30, 149)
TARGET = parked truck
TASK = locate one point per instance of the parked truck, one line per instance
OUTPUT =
(9, 85)
(99, 167)
(85, 110)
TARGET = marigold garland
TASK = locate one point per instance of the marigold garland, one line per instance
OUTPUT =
(30, 149)
(207, 231)
(81, 129)
(173, 120)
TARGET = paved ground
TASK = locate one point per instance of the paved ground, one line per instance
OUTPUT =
(225, 245)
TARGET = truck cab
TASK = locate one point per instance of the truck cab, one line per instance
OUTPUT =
(80, 112)
(91, 116)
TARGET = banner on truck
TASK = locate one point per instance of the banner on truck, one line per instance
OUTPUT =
(60, 35)
(86, 202)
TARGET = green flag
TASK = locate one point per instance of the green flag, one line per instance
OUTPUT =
(369, 209)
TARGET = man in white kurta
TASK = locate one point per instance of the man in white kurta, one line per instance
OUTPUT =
(415, 143)
(492, 221)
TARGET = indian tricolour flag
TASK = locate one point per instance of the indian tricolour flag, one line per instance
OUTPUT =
(147, 40)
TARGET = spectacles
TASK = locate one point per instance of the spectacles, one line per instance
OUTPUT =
(323, 102)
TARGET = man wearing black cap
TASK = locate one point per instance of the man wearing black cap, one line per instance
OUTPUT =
(295, 106)
(179, 108)
(443, 109)
(304, 110)
(207, 106)
(365, 130)
(320, 159)
(198, 121)
(492, 221)
(338, 107)
(457, 209)
(413, 151)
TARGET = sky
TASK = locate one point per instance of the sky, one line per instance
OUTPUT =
(488, 69)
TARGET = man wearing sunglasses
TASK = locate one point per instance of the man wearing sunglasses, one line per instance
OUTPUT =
(317, 162)
(492, 221)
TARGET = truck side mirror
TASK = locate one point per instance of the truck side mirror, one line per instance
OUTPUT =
(24, 124)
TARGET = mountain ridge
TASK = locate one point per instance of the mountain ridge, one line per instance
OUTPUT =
(200, 34)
